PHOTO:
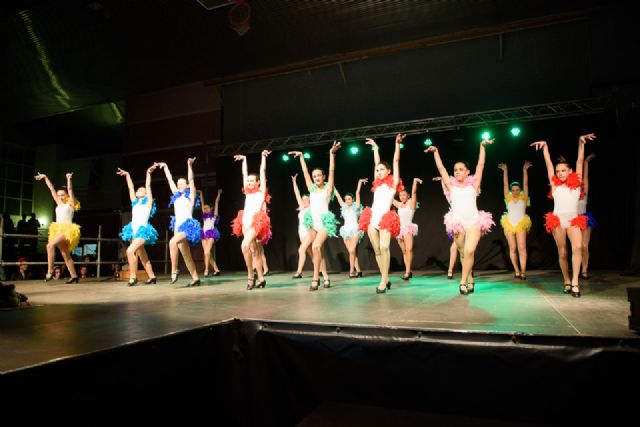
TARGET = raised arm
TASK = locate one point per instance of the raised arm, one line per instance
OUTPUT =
(505, 179)
(480, 166)
(217, 202)
(72, 197)
(361, 181)
(245, 173)
(525, 179)
(414, 193)
(40, 176)
(585, 177)
(201, 201)
(305, 171)
(296, 190)
(263, 171)
(147, 183)
(444, 175)
(376, 151)
(332, 166)
(581, 143)
(542, 145)
(396, 160)
(338, 197)
(167, 173)
(127, 176)
(192, 182)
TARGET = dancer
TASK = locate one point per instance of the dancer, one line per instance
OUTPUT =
(210, 233)
(379, 220)
(591, 222)
(305, 245)
(253, 223)
(453, 249)
(139, 232)
(408, 229)
(63, 233)
(318, 219)
(564, 220)
(186, 230)
(515, 222)
(464, 220)
(349, 231)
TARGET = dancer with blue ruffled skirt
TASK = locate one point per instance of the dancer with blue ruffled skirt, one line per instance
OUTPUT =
(139, 232)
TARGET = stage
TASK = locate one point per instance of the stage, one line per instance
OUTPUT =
(70, 320)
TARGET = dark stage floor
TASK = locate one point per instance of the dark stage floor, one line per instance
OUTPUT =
(68, 320)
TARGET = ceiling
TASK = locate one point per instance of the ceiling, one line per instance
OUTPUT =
(69, 55)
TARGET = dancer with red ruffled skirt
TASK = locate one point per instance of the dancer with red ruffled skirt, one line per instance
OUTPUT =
(564, 221)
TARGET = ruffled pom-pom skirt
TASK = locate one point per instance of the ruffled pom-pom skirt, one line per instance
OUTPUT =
(551, 221)
(71, 233)
(523, 225)
(347, 233)
(261, 223)
(455, 226)
(328, 222)
(211, 234)
(365, 219)
(408, 230)
(146, 232)
(191, 229)
(390, 222)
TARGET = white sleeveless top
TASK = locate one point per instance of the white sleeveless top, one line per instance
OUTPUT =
(183, 210)
(516, 210)
(582, 205)
(406, 215)
(64, 214)
(565, 201)
(319, 205)
(350, 216)
(140, 214)
(382, 198)
(463, 205)
(252, 205)
(208, 224)
(302, 230)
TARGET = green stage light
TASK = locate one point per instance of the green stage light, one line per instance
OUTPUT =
(354, 150)
(486, 135)
(285, 157)
(428, 142)
(401, 145)
(515, 131)
(307, 155)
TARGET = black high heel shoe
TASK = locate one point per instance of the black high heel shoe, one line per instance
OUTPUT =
(216, 273)
(388, 286)
(132, 282)
(151, 281)
(575, 294)
(523, 276)
(471, 287)
(353, 275)
(567, 288)
(326, 283)
(174, 278)
(449, 275)
(251, 283)
(381, 291)
(359, 274)
(407, 276)
(516, 275)
(585, 276)
(72, 280)
(297, 276)
(48, 277)
(261, 284)
(464, 291)
(195, 282)
(314, 288)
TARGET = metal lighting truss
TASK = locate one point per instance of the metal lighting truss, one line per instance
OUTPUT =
(435, 124)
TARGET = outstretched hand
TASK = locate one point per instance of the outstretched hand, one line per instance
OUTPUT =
(436, 178)
(219, 191)
(239, 157)
(363, 181)
(161, 165)
(295, 153)
(539, 145)
(527, 165)
(588, 137)
(152, 168)
(418, 180)
(371, 142)
(431, 149)
(486, 142)
(122, 172)
(400, 137)
(502, 166)
(590, 157)
(265, 153)
(335, 147)
(40, 176)
(69, 175)
(191, 161)
(293, 177)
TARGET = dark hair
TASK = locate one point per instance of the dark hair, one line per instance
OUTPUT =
(562, 160)
(466, 164)
(305, 194)
(254, 174)
(515, 183)
(385, 164)
(317, 169)
(349, 194)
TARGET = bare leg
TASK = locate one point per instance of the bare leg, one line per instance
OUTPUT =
(51, 251)
(560, 236)
(263, 258)
(453, 257)
(206, 248)
(316, 248)
(132, 257)
(188, 260)
(470, 244)
(247, 249)
(459, 239)
(214, 264)
(351, 243)
(513, 254)
(385, 255)
(521, 238)
(403, 249)
(575, 237)
(259, 259)
(408, 247)
(303, 250)
(173, 251)
(586, 237)
(68, 259)
(146, 264)
(374, 238)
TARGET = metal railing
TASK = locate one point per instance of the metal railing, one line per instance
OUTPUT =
(98, 240)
